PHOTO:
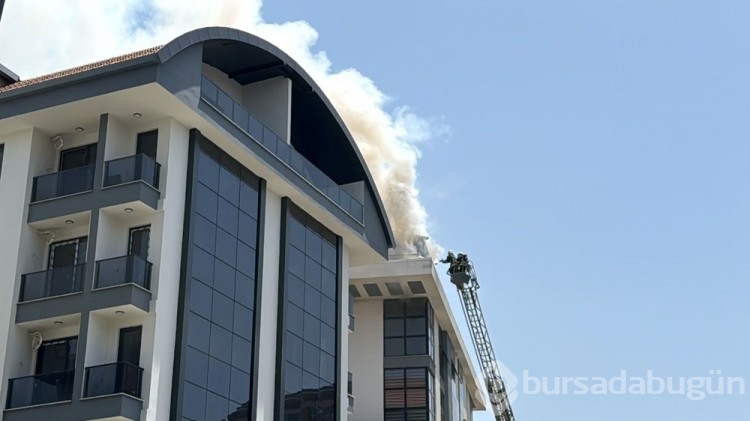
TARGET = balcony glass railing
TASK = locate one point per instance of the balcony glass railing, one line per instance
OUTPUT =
(261, 134)
(52, 282)
(132, 168)
(350, 391)
(130, 269)
(63, 183)
(40, 389)
(109, 379)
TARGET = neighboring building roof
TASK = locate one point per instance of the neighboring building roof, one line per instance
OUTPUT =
(79, 69)
(417, 277)
(6, 76)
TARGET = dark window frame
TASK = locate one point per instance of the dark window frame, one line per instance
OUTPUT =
(77, 241)
(40, 356)
(120, 343)
(92, 147)
(130, 238)
(2, 155)
(145, 133)
(404, 316)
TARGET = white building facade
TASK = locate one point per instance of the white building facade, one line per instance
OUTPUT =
(181, 228)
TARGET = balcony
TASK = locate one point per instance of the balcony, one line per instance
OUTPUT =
(240, 117)
(130, 169)
(40, 389)
(63, 183)
(123, 270)
(115, 378)
(350, 404)
(53, 282)
(349, 391)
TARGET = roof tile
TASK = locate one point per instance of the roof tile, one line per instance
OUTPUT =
(79, 69)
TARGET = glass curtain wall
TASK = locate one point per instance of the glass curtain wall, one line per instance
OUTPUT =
(218, 289)
(309, 321)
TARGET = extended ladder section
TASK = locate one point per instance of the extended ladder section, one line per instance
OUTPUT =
(464, 277)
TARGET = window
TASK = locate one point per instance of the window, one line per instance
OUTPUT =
(2, 152)
(129, 345)
(219, 286)
(310, 329)
(409, 394)
(78, 157)
(138, 241)
(56, 356)
(65, 266)
(147, 143)
(76, 172)
(407, 327)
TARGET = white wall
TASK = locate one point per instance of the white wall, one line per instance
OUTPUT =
(71, 141)
(96, 341)
(436, 353)
(166, 251)
(221, 79)
(104, 336)
(269, 293)
(366, 360)
(112, 237)
(120, 140)
(270, 101)
(15, 235)
(344, 332)
(122, 136)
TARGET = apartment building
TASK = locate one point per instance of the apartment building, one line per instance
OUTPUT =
(181, 229)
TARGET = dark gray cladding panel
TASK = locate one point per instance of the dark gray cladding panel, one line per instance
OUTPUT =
(105, 407)
(50, 307)
(81, 86)
(5, 73)
(181, 75)
(409, 362)
(82, 202)
(374, 231)
(75, 303)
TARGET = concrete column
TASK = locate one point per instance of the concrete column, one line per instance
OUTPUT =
(268, 288)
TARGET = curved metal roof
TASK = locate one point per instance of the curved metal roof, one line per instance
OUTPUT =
(247, 58)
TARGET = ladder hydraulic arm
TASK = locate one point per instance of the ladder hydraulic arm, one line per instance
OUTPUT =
(464, 277)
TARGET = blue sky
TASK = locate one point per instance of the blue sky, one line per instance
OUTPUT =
(596, 171)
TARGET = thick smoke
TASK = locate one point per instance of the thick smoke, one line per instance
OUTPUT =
(41, 37)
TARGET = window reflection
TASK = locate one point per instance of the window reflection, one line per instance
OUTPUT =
(310, 331)
(407, 327)
(221, 289)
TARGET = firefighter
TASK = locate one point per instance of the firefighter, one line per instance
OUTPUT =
(462, 262)
(451, 260)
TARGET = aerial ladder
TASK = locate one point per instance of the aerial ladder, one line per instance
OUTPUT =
(464, 277)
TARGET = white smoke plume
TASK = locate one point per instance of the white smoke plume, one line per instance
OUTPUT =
(40, 37)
